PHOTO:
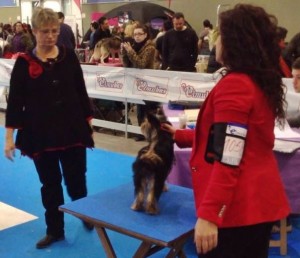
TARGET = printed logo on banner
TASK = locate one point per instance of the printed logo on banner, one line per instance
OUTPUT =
(151, 86)
(190, 90)
(112, 82)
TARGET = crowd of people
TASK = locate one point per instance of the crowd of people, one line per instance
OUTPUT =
(235, 212)
(15, 38)
(175, 38)
(19, 37)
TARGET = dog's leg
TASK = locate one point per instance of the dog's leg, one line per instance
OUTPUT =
(140, 189)
(151, 203)
(104, 56)
(157, 187)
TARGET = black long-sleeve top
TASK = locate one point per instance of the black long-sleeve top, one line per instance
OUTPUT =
(180, 50)
(51, 111)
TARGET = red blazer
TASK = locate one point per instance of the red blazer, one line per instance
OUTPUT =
(252, 192)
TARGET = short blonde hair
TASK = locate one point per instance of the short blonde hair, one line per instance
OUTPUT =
(42, 17)
(129, 28)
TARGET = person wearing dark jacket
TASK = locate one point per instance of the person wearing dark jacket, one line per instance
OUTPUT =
(102, 32)
(49, 107)
(66, 35)
(180, 47)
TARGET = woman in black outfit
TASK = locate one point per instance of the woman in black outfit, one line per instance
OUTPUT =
(49, 107)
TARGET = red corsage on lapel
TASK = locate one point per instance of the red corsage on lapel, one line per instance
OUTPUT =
(35, 69)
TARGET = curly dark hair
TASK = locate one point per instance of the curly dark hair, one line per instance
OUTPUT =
(250, 45)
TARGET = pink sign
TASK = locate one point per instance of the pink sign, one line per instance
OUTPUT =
(96, 15)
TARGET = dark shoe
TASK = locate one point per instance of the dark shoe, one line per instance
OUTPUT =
(88, 226)
(48, 240)
(139, 138)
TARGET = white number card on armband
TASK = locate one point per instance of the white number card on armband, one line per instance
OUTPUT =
(234, 144)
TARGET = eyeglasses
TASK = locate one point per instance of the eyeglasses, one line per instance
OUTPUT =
(47, 32)
(138, 34)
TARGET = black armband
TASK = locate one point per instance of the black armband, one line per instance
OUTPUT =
(226, 143)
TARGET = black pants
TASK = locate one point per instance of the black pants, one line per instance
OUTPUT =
(242, 242)
(51, 166)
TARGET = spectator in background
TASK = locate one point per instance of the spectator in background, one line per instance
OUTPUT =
(281, 34)
(203, 42)
(128, 31)
(292, 50)
(6, 46)
(31, 35)
(180, 49)
(66, 36)
(213, 65)
(78, 36)
(140, 54)
(102, 32)
(86, 38)
(93, 27)
(21, 41)
(117, 31)
(294, 120)
(159, 41)
(8, 33)
(160, 36)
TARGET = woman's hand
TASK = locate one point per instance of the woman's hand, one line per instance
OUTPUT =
(205, 236)
(127, 46)
(9, 149)
(169, 128)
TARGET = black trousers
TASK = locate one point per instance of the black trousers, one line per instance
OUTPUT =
(242, 242)
(51, 167)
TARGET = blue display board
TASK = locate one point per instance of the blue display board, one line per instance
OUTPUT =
(4, 3)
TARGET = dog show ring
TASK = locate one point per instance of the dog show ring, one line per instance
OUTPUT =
(110, 209)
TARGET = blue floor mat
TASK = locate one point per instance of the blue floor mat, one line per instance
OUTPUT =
(20, 188)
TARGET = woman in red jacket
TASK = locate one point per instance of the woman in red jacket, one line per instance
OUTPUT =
(237, 187)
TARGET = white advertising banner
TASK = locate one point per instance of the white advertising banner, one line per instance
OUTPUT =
(6, 66)
(118, 83)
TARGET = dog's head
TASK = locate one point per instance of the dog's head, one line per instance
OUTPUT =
(100, 50)
(152, 123)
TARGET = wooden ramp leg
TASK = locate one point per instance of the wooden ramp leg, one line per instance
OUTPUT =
(110, 253)
(283, 237)
(143, 250)
(177, 249)
(282, 242)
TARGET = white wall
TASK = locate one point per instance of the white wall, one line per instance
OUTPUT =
(26, 8)
(26, 11)
(53, 4)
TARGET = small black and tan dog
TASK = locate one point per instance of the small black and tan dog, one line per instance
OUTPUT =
(153, 164)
